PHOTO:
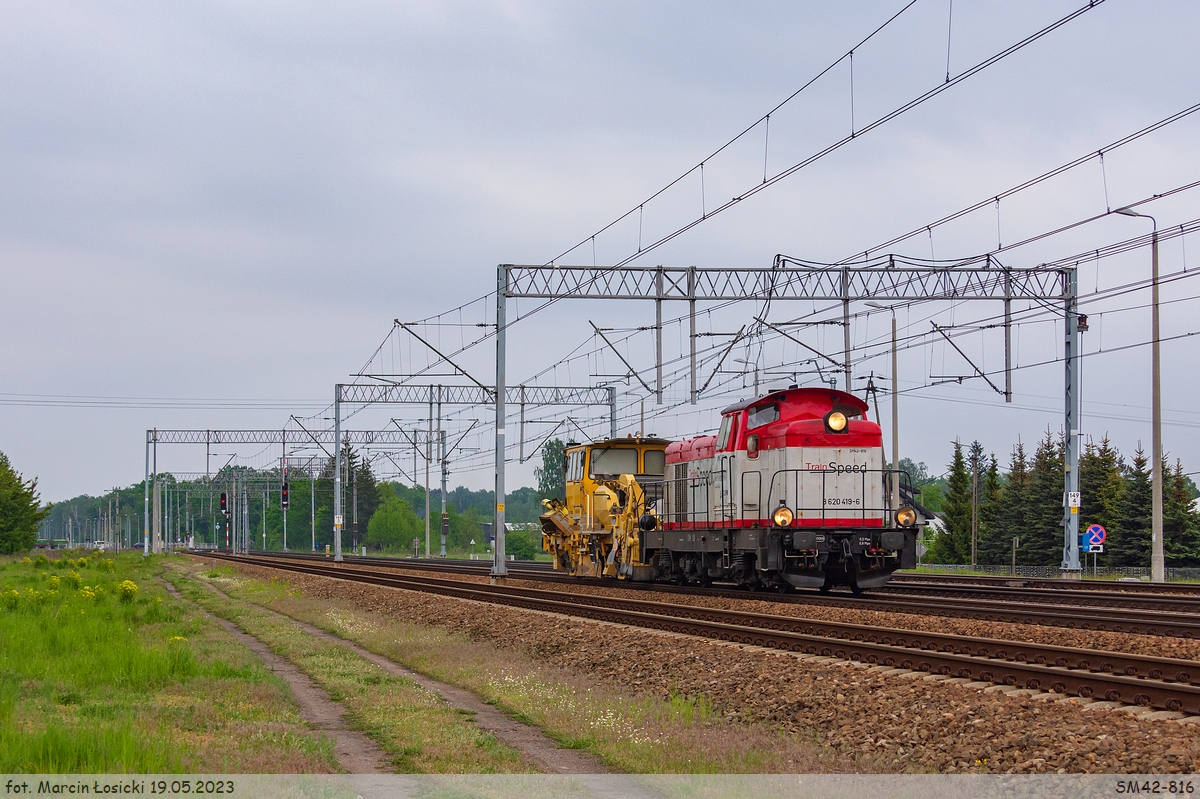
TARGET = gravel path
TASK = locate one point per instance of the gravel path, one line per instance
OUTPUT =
(902, 722)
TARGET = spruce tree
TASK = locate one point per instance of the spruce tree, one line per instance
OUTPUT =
(1102, 486)
(994, 546)
(21, 513)
(955, 545)
(1011, 518)
(1181, 526)
(1131, 545)
(1045, 511)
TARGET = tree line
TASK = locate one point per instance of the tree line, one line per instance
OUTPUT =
(384, 516)
(1025, 501)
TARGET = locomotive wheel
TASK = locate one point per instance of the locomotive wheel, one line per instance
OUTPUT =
(856, 589)
(783, 588)
(824, 589)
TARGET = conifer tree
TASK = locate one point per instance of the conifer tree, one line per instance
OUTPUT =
(1181, 526)
(954, 546)
(1131, 545)
(1011, 518)
(21, 513)
(1044, 512)
(994, 546)
(1102, 486)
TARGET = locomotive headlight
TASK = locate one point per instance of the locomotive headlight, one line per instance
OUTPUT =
(835, 422)
(783, 516)
(906, 517)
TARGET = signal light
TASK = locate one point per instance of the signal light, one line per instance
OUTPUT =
(283, 496)
(224, 503)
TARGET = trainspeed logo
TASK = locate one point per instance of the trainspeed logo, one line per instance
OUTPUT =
(835, 467)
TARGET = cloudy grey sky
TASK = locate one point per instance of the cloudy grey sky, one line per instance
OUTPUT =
(212, 212)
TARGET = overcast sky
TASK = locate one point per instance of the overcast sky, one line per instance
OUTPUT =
(214, 211)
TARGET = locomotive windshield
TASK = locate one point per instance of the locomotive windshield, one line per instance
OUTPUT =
(614, 461)
(764, 414)
(656, 461)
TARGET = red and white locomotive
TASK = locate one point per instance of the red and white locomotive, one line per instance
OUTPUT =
(792, 492)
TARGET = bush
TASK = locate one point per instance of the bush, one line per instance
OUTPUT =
(74, 580)
(127, 591)
(9, 599)
(520, 544)
(106, 565)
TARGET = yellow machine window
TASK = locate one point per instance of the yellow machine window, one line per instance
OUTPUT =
(614, 461)
(656, 461)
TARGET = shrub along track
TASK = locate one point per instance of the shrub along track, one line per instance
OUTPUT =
(1162, 683)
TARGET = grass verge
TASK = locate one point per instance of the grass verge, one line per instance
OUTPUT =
(417, 729)
(631, 732)
(102, 671)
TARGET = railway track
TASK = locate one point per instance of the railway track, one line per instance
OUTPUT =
(1163, 683)
(1055, 584)
(1173, 617)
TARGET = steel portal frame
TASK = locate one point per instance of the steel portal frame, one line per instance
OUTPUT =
(431, 395)
(884, 277)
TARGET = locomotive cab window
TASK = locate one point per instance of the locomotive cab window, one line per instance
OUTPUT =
(655, 462)
(723, 435)
(614, 461)
(763, 414)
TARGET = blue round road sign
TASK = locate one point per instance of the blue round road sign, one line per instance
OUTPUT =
(1096, 535)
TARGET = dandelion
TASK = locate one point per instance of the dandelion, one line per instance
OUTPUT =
(127, 591)
(175, 638)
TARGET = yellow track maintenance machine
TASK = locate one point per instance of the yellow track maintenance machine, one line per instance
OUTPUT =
(613, 490)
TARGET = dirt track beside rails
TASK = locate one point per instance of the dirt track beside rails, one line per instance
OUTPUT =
(902, 721)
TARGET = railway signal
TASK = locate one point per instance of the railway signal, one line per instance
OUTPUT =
(283, 496)
(224, 503)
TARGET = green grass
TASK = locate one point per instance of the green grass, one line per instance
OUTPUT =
(416, 728)
(631, 731)
(99, 678)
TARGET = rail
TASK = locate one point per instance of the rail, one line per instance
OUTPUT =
(1165, 683)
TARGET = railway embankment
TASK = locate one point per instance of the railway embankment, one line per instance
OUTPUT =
(872, 717)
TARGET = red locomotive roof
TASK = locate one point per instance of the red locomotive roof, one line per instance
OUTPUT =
(799, 423)
(806, 403)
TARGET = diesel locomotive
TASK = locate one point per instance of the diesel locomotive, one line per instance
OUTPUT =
(791, 492)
